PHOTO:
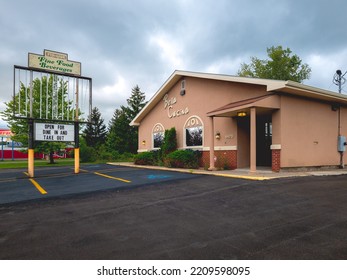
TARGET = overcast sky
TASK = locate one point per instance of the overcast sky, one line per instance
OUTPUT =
(141, 42)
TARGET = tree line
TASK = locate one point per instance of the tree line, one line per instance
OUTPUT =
(97, 141)
(122, 139)
(119, 140)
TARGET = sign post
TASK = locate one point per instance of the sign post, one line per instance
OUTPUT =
(56, 90)
(31, 148)
(77, 141)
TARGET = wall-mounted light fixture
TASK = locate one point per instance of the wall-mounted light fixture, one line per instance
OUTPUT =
(241, 114)
(218, 135)
(143, 142)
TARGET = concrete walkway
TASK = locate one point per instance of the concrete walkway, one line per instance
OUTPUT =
(261, 174)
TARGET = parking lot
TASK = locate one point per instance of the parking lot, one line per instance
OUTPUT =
(15, 186)
(113, 212)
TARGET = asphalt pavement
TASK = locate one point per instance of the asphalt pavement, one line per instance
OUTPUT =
(171, 215)
(53, 182)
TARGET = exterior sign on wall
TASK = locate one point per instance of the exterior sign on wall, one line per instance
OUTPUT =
(54, 61)
(171, 112)
(54, 132)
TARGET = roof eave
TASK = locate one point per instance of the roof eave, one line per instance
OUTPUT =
(309, 91)
(171, 81)
(178, 74)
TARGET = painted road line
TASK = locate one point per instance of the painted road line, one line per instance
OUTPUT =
(83, 170)
(39, 188)
(111, 177)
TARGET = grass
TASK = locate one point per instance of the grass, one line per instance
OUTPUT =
(5, 164)
(23, 163)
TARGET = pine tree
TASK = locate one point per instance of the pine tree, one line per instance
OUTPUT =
(118, 137)
(123, 137)
(95, 131)
(135, 104)
(136, 101)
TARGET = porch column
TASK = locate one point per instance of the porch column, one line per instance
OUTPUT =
(253, 144)
(211, 144)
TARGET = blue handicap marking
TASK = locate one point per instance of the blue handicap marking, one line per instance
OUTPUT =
(153, 177)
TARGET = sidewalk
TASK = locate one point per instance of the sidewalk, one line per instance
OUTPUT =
(261, 174)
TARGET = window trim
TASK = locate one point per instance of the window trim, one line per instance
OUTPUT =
(184, 133)
(153, 131)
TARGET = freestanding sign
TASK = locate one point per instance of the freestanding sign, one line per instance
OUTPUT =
(51, 91)
(54, 132)
(54, 61)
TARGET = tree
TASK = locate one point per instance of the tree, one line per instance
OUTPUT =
(95, 131)
(281, 65)
(118, 136)
(170, 142)
(42, 89)
(122, 137)
(135, 104)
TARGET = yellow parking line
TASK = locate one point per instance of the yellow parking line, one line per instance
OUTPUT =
(39, 188)
(83, 170)
(111, 177)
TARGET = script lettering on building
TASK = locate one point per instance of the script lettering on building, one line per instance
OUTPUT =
(171, 111)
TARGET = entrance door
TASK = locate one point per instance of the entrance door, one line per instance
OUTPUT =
(243, 142)
(264, 140)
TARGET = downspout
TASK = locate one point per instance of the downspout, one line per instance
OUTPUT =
(212, 167)
(342, 164)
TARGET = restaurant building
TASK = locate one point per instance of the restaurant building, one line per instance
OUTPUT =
(239, 122)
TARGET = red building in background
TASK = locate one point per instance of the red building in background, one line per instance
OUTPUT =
(9, 148)
(14, 150)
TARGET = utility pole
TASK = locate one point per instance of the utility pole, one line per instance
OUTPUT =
(339, 79)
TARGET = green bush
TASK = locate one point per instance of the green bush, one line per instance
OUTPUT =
(124, 157)
(183, 159)
(146, 158)
(87, 154)
(170, 142)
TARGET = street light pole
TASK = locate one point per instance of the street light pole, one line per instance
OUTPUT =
(339, 79)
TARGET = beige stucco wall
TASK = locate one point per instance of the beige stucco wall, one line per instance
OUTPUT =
(202, 96)
(307, 132)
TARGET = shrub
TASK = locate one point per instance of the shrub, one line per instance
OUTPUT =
(145, 158)
(183, 159)
(125, 157)
(87, 154)
(170, 142)
(103, 154)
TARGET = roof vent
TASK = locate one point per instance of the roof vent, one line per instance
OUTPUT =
(183, 87)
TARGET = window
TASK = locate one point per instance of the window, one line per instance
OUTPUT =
(193, 132)
(158, 135)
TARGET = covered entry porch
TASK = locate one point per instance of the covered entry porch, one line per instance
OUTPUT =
(254, 131)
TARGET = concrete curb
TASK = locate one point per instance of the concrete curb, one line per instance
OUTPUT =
(196, 171)
(259, 176)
